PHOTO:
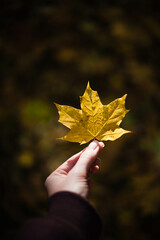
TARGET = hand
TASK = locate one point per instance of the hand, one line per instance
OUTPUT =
(72, 175)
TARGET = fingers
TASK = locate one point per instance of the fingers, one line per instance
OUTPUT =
(94, 168)
(89, 153)
(101, 145)
(87, 158)
(69, 164)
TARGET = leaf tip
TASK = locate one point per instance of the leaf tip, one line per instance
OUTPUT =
(58, 106)
(128, 110)
(55, 104)
(124, 96)
(61, 138)
(88, 85)
(88, 88)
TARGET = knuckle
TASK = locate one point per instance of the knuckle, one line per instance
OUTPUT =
(47, 181)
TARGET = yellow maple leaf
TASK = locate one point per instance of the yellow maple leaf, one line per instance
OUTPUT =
(94, 120)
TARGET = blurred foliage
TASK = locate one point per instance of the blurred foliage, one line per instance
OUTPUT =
(49, 51)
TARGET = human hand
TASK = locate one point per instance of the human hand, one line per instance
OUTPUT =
(72, 175)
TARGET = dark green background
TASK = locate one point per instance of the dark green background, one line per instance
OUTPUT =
(49, 50)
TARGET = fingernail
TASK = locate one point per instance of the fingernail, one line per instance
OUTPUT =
(102, 144)
(93, 145)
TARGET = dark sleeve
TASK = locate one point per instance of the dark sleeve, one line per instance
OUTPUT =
(70, 217)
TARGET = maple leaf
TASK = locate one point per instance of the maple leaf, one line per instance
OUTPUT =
(94, 120)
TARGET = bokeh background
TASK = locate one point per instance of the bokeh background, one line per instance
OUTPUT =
(49, 51)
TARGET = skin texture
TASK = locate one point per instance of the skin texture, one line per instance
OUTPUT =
(73, 174)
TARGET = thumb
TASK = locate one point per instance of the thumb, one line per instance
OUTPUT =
(87, 158)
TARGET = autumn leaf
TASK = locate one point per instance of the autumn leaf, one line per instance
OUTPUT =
(94, 120)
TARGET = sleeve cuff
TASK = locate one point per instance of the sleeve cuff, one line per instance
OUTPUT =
(77, 211)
